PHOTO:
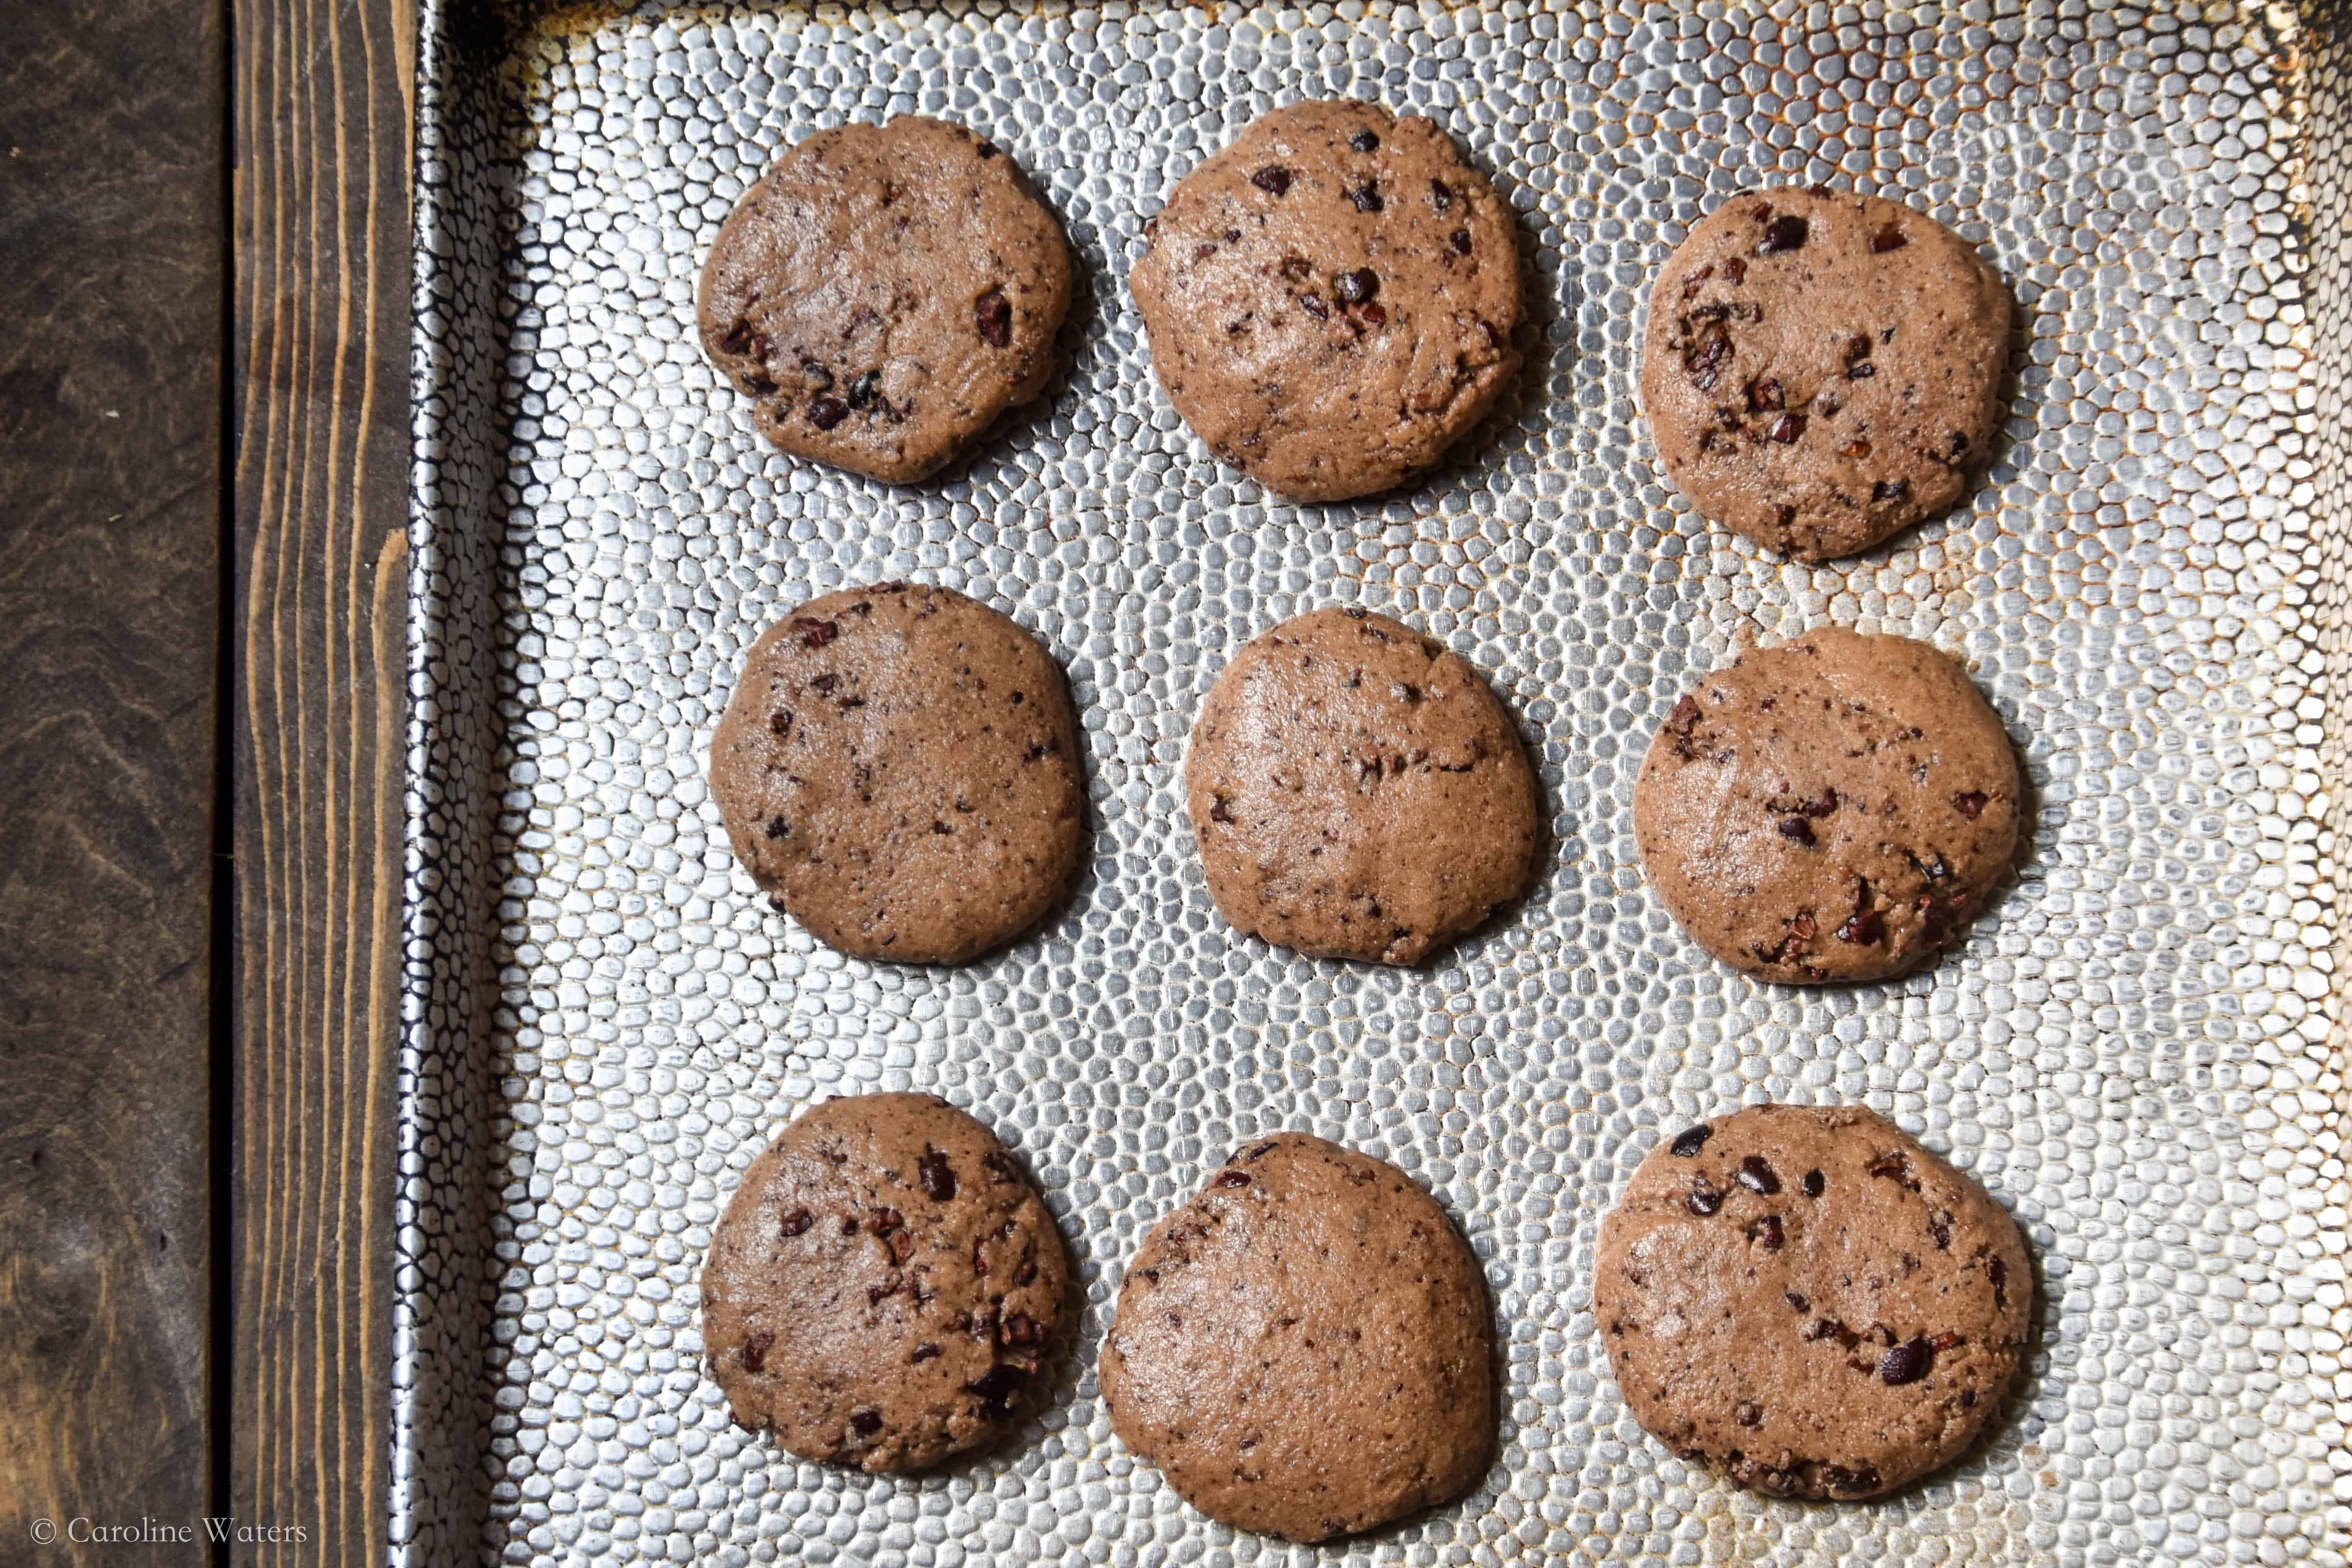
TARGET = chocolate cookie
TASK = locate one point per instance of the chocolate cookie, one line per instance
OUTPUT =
(1811, 1303)
(883, 293)
(898, 770)
(1358, 792)
(1822, 368)
(884, 1287)
(1331, 298)
(1303, 1349)
(1835, 809)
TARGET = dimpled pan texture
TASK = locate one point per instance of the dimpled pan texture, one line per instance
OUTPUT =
(603, 1023)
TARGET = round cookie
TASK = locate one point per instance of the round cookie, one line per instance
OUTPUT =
(1834, 809)
(1808, 1301)
(1303, 1349)
(883, 293)
(1331, 298)
(1822, 368)
(1356, 791)
(883, 1286)
(898, 770)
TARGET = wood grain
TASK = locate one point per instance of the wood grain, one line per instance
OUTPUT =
(112, 237)
(322, 111)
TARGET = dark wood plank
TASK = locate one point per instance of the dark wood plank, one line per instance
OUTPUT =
(111, 239)
(323, 110)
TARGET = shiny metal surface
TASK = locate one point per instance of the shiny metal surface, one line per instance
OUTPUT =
(2135, 1050)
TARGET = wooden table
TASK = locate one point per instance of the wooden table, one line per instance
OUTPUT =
(203, 370)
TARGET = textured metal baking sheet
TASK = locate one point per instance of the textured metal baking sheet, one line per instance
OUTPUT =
(2137, 1050)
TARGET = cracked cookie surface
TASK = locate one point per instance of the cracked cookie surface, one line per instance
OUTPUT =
(1358, 792)
(1835, 809)
(897, 769)
(885, 1286)
(883, 293)
(1331, 299)
(1305, 1348)
(1823, 369)
(1808, 1301)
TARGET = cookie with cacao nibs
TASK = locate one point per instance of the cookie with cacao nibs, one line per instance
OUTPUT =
(1356, 791)
(1305, 1348)
(897, 769)
(1331, 299)
(1809, 1302)
(886, 1286)
(1823, 369)
(883, 293)
(1835, 809)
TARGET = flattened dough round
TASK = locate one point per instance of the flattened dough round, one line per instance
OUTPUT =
(1822, 368)
(1305, 1348)
(1358, 792)
(1835, 809)
(883, 1286)
(1810, 1302)
(1331, 298)
(898, 770)
(883, 293)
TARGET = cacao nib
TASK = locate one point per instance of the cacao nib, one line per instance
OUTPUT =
(1709, 347)
(992, 318)
(1366, 197)
(824, 412)
(925, 1352)
(1797, 830)
(1355, 288)
(1997, 1272)
(1765, 396)
(1440, 196)
(1906, 1363)
(865, 390)
(1021, 1328)
(1691, 1139)
(1313, 305)
(1685, 715)
(1460, 240)
(796, 1223)
(1364, 141)
(1274, 179)
(1377, 315)
(1890, 489)
(1750, 1413)
(1788, 427)
(1735, 272)
(939, 1177)
(865, 1423)
(1755, 1174)
(755, 1348)
(1218, 811)
(1970, 803)
(780, 724)
(999, 1389)
(819, 379)
(1867, 928)
(815, 633)
(779, 828)
(1769, 1231)
(1232, 1179)
(1782, 235)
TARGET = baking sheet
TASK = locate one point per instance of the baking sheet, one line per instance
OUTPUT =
(2135, 1050)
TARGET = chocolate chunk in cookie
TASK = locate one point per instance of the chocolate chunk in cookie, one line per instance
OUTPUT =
(883, 293)
(1835, 809)
(885, 1287)
(1823, 369)
(1303, 1349)
(1331, 298)
(1356, 791)
(898, 770)
(1810, 1302)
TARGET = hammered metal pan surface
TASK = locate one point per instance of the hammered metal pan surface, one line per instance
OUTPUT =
(2133, 1050)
